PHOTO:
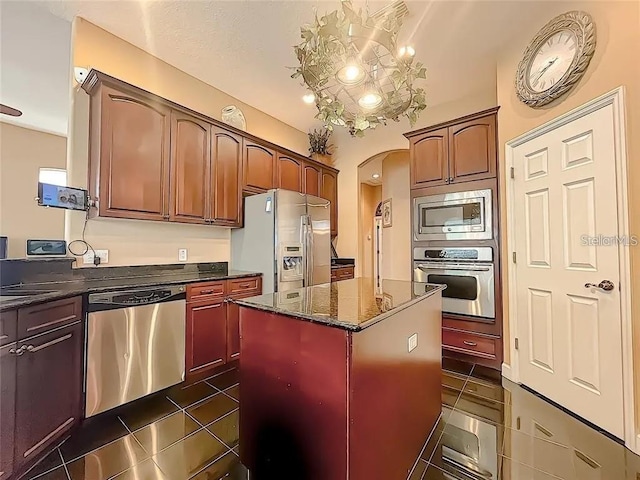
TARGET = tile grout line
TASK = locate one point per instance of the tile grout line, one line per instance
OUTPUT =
(64, 465)
(209, 464)
(217, 420)
(204, 427)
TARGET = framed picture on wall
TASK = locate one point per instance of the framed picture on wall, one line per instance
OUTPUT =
(386, 213)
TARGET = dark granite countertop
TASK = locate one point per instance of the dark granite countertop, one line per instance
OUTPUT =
(63, 289)
(350, 304)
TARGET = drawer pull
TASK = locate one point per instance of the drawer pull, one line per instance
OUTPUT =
(207, 292)
(3, 337)
(245, 285)
(48, 324)
(470, 344)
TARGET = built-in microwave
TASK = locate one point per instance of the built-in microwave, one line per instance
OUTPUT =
(453, 216)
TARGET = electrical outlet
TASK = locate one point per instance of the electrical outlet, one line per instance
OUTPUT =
(182, 255)
(412, 342)
(103, 255)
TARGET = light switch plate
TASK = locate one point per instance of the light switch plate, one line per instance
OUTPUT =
(412, 342)
(182, 255)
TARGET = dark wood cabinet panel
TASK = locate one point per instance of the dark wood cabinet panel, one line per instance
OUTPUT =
(133, 152)
(8, 361)
(190, 162)
(233, 331)
(429, 159)
(206, 336)
(258, 167)
(311, 180)
(329, 191)
(289, 173)
(226, 154)
(8, 327)
(41, 318)
(472, 149)
(49, 389)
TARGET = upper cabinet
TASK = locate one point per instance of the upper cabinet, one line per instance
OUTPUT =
(311, 178)
(226, 151)
(130, 141)
(152, 159)
(258, 167)
(462, 150)
(289, 173)
(329, 191)
(190, 161)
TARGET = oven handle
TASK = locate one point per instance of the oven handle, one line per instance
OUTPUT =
(444, 267)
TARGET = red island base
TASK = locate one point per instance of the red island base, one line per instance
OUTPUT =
(319, 402)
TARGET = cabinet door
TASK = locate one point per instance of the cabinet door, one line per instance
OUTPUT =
(7, 408)
(190, 160)
(289, 173)
(259, 167)
(429, 159)
(472, 150)
(233, 312)
(134, 157)
(311, 179)
(206, 336)
(330, 192)
(49, 389)
(226, 155)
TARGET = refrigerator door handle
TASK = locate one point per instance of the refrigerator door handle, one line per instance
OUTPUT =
(305, 250)
(310, 245)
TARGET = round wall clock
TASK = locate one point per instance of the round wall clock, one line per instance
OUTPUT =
(556, 58)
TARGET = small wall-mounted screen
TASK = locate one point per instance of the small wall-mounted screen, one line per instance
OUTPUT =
(62, 197)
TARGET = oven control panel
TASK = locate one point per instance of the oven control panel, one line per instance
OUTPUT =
(483, 254)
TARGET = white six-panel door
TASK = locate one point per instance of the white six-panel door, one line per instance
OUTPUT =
(565, 215)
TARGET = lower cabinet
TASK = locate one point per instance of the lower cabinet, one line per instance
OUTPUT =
(206, 335)
(213, 323)
(342, 273)
(41, 387)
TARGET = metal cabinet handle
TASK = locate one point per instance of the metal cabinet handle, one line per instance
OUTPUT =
(470, 344)
(446, 180)
(206, 292)
(450, 179)
(605, 285)
(17, 352)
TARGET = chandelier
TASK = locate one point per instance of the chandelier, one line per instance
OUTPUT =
(357, 75)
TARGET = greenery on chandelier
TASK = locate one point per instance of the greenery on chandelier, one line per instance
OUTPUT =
(328, 45)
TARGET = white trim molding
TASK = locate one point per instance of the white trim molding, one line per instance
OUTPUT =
(615, 98)
(507, 372)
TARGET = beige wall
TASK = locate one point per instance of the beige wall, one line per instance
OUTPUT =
(352, 152)
(370, 197)
(616, 62)
(396, 239)
(141, 242)
(22, 153)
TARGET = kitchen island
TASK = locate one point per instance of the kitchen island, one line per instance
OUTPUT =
(339, 380)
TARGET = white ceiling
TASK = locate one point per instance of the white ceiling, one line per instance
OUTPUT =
(35, 55)
(244, 47)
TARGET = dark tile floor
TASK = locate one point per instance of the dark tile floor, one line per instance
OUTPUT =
(490, 429)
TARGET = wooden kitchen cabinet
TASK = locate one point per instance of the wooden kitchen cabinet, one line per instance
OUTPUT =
(206, 335)
(7, 399)
(472, 149)
(342, 273)
(41, 388)
(329, 191)
(311, 177)
(49, 389)
(462, 150)
(190, 168)
(429, 159)
(258, 170)
(289, 173)
(226, 154)
(129, 150)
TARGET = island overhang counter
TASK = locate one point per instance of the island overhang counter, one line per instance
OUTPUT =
(339, 381)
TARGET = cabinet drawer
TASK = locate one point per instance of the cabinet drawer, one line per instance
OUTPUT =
(241, 286)
(469, 343)
(40, 318)
(204, 291)
(8, 327)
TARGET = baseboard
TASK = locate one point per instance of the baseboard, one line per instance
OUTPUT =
(635, 448)
(506, 371)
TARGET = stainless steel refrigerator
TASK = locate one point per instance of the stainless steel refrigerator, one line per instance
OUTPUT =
(286, 237)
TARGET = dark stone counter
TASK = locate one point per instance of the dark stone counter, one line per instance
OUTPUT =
(350, 304)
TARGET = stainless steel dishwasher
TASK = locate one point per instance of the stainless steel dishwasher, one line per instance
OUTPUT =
(135, 345)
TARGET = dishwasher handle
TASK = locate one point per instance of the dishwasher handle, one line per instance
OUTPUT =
(137, 297)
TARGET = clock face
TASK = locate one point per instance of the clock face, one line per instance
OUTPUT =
(552, 61)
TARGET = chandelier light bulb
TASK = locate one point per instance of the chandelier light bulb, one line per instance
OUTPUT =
(350, 74)
(309, 98)
(370, 100)
(407, 51)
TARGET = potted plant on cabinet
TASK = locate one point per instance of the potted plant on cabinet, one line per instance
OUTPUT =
(319, 147)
